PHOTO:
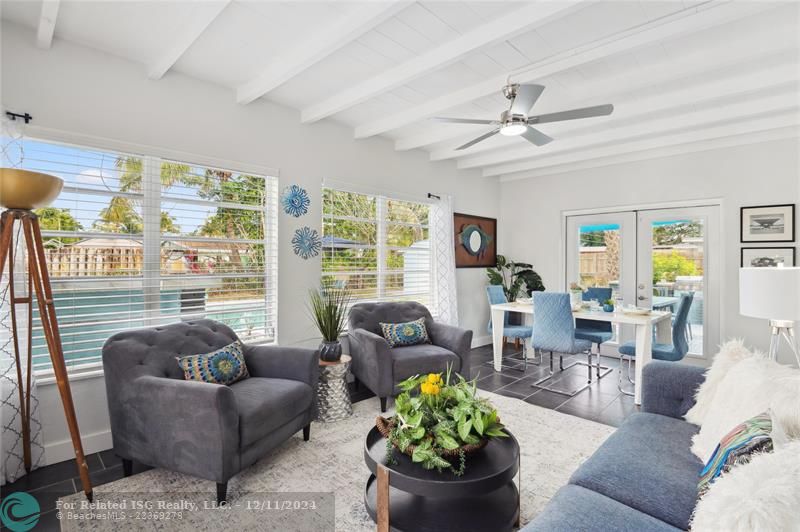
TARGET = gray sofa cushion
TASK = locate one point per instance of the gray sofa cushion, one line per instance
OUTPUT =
(576, 509)
(266, 404)
(647, 465)
(423, 358)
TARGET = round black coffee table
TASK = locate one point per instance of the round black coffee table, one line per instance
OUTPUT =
(407, 497)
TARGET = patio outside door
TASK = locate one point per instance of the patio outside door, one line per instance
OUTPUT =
(650, 258)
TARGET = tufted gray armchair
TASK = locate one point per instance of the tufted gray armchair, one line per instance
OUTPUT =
(206, 430)
(380, 367)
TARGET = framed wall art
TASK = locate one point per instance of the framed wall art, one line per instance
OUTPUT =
(767, 223)
(768, 257)
(475, 241)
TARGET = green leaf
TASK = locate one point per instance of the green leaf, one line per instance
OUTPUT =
(414, 420)
(496, 432)
(446, 441)
(417, 433)
(477, 422)
(464, 428)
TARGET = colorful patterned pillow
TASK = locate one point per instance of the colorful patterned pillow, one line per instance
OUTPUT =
(409, 333)
(737, 447)
(223, 366)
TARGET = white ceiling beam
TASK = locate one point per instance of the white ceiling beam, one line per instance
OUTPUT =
(47, 23)
(731, 126)
(203, 16)
(634, 116)
(664, 92)
(493, 32)
(317, 46)
(713, 143)
(688, 20)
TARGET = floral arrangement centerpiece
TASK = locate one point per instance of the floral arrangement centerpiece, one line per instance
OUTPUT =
(439, 422)
(576, 294)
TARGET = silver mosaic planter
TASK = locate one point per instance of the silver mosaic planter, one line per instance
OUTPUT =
(333, 399)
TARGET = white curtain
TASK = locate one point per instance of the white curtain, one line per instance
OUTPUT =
(12, 464)
(443, 260)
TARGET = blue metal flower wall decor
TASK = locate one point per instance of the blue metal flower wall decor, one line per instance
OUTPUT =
(306, 242)
(295, 201)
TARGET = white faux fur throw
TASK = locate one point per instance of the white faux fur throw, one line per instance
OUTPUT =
(730, 353)
(760, 496)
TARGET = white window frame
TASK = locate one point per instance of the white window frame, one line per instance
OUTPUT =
(151, 234)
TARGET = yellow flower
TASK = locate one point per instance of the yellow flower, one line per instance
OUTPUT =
(434, 378)
(434, 389)
(428, 388)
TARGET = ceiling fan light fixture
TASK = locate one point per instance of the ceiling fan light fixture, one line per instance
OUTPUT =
(513, 130)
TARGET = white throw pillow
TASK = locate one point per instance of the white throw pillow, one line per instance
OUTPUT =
(730, 353)
(785, 406)
(747, 390)
(761, 495)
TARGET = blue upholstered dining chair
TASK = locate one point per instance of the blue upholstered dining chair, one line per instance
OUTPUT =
(497, 296)
(554, 331)
(669, 352)
(595, 331)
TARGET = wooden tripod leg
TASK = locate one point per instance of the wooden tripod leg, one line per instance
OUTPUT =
(47, 314)
(24, 405)
(6, 231)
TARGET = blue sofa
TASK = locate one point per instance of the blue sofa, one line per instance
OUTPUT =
(644, 477)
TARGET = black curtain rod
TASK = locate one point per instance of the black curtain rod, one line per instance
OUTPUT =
(433, 196)
(14, 116)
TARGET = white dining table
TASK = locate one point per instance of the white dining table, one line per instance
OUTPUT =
(643, 325)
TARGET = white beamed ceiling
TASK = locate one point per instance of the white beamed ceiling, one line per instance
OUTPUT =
(683, 74)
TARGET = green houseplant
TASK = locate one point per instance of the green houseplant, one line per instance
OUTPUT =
(515, 277)
(328, 308)
(439, 422)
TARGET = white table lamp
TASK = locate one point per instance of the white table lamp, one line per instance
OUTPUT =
(772, 294)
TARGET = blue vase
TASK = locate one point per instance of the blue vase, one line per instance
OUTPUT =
(608, 308)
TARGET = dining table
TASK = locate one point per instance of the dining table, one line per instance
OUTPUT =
(643, 325)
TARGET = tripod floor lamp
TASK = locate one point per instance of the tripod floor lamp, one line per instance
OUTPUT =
(21, 191)
(772, 294)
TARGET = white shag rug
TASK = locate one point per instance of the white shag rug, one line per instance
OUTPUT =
(552, 444)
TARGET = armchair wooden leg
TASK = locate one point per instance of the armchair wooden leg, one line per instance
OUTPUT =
(383, 404)
(222, 492)
(307, 432)
(127, 467)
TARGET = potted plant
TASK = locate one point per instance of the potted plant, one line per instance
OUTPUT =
(575, 294)
(513, 276)
(328, 308)
(439, 422)
(608, 305)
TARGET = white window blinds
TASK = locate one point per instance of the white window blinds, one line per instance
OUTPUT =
(136, 241)
(376, 246)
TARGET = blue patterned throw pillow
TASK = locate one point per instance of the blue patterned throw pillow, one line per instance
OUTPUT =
(223, 366)
(410, 333)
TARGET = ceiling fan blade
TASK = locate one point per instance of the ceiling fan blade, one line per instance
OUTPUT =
(479, 139)
(584, 112)
(463, 120)
(526, 96)
(536, 137)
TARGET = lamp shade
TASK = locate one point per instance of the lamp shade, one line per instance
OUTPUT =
(770, 293)
(23, 189)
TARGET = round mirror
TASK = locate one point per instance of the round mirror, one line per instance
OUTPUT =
(475, 242)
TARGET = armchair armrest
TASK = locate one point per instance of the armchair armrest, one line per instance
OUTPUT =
(669, 388)
(294, 363)
(186, 426)
(372, 361)
(455, 339)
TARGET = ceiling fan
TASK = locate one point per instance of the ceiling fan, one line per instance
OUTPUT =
(516, 121)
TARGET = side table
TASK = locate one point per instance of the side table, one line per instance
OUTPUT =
(333, 399)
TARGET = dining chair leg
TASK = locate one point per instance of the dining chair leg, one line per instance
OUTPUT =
(619, 380)
(589, 365)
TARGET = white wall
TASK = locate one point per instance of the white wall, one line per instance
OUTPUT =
(756, 174)
(85, 92)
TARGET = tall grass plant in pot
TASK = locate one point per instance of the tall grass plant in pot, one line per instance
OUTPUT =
(328, 306)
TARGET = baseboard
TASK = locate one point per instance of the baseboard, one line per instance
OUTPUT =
(61, 451)
(478, 341)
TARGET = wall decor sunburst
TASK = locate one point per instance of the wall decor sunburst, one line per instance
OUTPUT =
(306, 243)
(295, 201)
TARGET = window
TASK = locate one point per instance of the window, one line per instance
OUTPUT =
(136, 241)
(377, 247)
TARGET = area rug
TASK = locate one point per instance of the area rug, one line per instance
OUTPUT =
(553, 445)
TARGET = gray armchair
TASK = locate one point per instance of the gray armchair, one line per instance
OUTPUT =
(380, 367)
(206, 430)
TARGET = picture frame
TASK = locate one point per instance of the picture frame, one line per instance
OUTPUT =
(767, 223)
(475, 241)
(767, 257)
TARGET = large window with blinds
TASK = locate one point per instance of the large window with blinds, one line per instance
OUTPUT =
(135, 240)
(377, 247)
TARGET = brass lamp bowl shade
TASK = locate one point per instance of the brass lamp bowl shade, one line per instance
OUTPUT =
(23, 189)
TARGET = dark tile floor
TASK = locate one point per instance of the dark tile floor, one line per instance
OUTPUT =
(601, 402)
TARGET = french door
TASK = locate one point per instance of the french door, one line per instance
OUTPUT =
(650, 258)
